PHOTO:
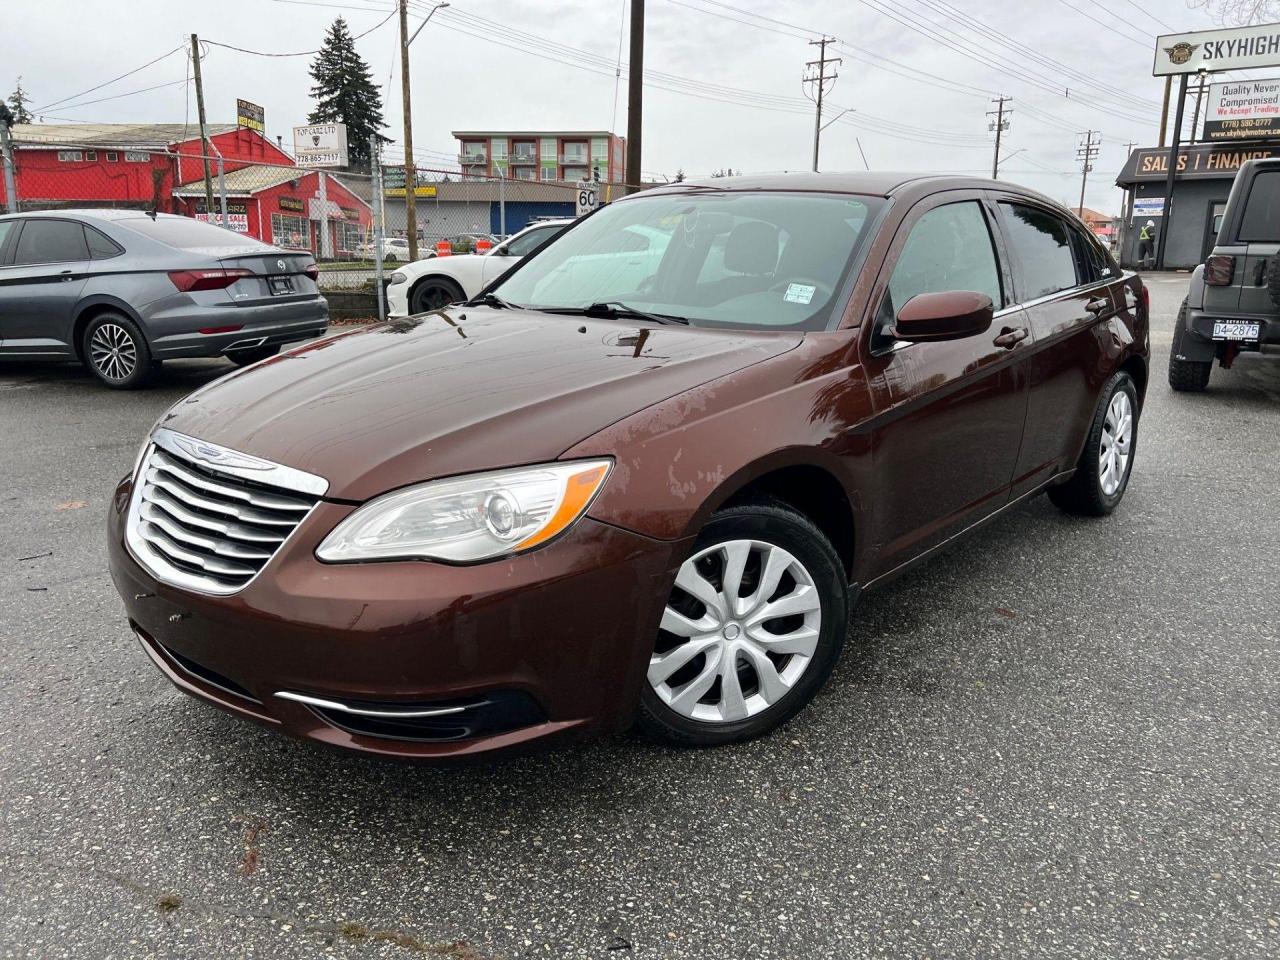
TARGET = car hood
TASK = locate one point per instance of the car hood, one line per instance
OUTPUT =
(455, 391)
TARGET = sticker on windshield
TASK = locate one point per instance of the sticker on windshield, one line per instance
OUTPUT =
(799, 293)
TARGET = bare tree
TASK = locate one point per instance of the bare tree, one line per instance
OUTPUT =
(1239, 13)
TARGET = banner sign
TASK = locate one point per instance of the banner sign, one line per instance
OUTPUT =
(1147, 208)
(393, 183)
(321, 145)
(1243, 110)
(1235, 48)
(1198, 161)
(250, 115)
(237, 214)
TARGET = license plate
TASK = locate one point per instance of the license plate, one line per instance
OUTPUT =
(1236, 330)
(281, 285)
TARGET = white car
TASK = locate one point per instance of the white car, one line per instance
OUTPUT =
(394, 248)
(430, 284)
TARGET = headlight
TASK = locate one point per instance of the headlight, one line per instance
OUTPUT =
(398, 277)
(471, 518)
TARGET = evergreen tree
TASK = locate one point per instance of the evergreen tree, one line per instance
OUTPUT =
(344, 92)
(18, 101)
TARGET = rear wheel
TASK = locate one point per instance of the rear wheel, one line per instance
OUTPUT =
(751, 631)
(242, 358)
(116, 352)
(1102, 475)
(1186, 376)
(434, 293)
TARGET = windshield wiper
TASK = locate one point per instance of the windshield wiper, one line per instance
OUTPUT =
(614, 309)
(492, 300)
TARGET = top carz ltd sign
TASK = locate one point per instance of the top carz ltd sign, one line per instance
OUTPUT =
(1234, 48)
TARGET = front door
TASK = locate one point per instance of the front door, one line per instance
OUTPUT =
(40, 285)
(949, 415)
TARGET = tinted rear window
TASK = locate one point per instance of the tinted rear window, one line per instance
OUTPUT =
(188, 234)
(101, 247)
(1262, 212)
(51, 241)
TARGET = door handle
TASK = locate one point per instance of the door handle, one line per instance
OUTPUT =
(1097, 305)
(1010, 337)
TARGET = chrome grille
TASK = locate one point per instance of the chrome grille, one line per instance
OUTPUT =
(203, 518)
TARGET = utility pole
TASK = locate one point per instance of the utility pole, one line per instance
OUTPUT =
(999, 125)
(410, 175)
(1126, 212)
(1164, 111)
(1172, 172)
(6, 158)
(820, 83)
(1086, 153)
(635, 95)
(204, 133)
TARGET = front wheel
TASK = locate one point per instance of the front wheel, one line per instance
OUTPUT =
(1102, 474)
(751, 631)
(116, 352)
(434, 293)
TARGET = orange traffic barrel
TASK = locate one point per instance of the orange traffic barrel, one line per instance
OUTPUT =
(484, 246)
(444, 249)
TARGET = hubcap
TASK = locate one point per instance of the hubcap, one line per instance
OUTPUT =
(739, 631)
(112, 351)
(1117, 443)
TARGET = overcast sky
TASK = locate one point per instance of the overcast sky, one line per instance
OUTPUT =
(462, 81)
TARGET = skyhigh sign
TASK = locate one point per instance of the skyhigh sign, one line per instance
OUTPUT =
(1235, 48)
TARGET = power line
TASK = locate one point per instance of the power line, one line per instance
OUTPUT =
(1144, 10)
(301, 53)
(1145, 44)
(118, 96)
(108, 83)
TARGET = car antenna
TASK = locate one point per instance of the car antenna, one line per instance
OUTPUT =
(152, 213)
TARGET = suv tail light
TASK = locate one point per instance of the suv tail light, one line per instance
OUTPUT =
(313, 272)
(188, 281)
(1219, 269)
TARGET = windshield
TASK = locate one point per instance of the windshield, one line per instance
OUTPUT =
(776, 260)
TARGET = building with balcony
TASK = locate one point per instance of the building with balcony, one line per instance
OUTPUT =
(542, 155)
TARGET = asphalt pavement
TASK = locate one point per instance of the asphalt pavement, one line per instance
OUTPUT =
(1060, 739)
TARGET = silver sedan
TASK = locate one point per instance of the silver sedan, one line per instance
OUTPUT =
(123, 290)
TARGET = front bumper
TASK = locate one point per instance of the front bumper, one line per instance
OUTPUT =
(567, 629)
(398, 300)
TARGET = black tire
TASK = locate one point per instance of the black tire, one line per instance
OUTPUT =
(1084, 493)
(242, 358)
(1186, 376)
(116, 352)
(434, 293)
(777, 525)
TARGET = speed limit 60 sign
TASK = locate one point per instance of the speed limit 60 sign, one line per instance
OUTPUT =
(588, 198)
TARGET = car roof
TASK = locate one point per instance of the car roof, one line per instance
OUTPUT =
(878, 183)
(93, 213)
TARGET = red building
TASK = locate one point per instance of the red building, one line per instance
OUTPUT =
(159, 167)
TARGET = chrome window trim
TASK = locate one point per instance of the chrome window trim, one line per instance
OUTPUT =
(1066, 292)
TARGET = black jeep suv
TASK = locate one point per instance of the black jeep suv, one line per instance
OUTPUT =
(1234, 301)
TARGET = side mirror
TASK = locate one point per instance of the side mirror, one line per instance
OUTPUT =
(928, 317)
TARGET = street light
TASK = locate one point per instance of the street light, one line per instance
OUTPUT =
(410, 175)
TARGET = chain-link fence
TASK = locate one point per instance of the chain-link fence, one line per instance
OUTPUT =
(357, 225)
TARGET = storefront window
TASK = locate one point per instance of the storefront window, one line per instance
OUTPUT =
(292, 233)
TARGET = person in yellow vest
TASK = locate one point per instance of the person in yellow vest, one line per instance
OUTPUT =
(1147, 243)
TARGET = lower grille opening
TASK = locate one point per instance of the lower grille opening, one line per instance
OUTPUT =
(496, 712)
(204, 674)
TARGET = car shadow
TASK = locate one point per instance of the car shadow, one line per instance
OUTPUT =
(175, 375)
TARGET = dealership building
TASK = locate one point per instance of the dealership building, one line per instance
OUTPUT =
(1202, 181)
(159, 167)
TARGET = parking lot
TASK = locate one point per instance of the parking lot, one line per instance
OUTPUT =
(1062, 739)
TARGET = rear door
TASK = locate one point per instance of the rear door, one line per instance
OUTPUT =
(1259, 230)
(1071, 294)
(40, 284)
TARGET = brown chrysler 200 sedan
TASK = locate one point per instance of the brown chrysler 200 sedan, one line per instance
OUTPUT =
(644, 476)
